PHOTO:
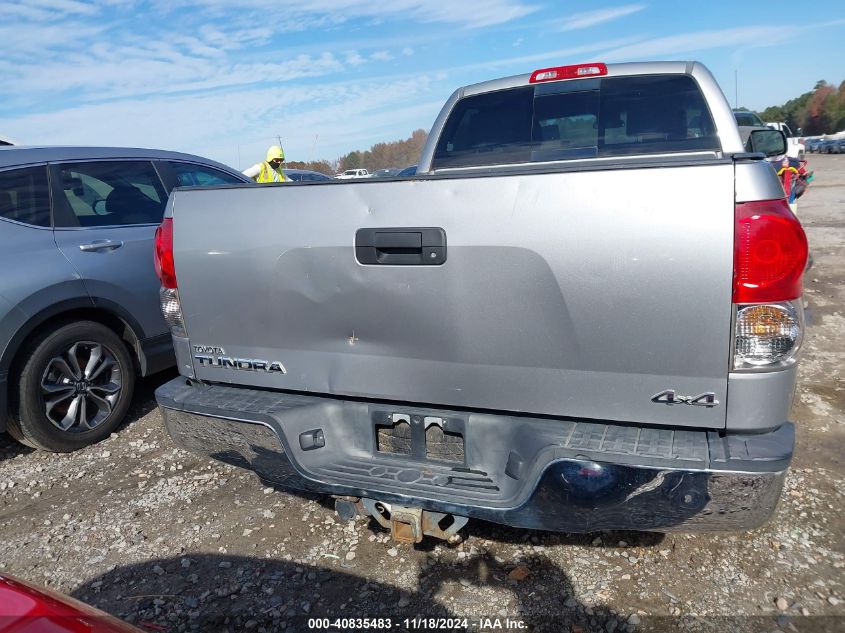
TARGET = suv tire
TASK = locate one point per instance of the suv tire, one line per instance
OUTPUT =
(74, 387)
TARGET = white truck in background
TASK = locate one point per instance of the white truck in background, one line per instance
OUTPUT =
(349, 174)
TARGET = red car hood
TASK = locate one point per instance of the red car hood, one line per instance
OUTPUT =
(27, 609)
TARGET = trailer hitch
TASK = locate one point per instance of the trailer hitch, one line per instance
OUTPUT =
(409, 525)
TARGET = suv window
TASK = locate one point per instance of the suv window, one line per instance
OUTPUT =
(191, 174)
(109, 193)
(748, 119)
(24, 195)
(584, 118)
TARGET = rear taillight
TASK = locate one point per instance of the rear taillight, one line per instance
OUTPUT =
(171, 308)
(770, 254)
(767, 334)
(577, 71)
(165, 268)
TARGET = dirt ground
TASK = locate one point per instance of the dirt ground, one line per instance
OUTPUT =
(175, 542)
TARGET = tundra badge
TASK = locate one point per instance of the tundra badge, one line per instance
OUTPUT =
(212, 356)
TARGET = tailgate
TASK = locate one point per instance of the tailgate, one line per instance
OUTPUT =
(581, 294)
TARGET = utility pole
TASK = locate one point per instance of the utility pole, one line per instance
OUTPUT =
(313, 148)
(736, 90)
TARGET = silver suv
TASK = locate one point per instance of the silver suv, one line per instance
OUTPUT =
(79, 310)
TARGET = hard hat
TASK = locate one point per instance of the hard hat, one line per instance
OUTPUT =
(275, 152)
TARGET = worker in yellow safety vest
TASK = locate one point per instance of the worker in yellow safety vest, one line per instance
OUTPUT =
(269, 170)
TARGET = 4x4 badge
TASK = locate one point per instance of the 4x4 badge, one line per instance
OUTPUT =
(670, 397)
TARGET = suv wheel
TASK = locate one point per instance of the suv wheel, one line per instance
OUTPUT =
(74, 388)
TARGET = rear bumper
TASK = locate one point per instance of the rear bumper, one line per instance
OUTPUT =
(551, 474)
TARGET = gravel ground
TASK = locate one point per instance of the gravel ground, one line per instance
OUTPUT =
(175, 542)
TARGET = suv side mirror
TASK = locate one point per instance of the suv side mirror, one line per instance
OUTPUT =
(768, 142)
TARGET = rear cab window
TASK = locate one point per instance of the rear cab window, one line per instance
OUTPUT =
(583, 118)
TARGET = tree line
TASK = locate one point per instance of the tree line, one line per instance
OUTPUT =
(820, 111)
(397, 154)
(385, 155)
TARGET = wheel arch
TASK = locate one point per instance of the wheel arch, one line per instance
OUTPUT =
(102, 311)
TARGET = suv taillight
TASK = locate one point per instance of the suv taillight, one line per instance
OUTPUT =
(770, 254)
(171, 308)
(165, 269)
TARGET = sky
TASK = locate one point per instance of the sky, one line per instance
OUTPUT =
(226, 78)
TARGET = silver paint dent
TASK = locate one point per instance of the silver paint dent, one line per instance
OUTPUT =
(560, 295)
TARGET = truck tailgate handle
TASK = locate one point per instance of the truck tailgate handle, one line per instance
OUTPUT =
(401, 246)
(399, 241)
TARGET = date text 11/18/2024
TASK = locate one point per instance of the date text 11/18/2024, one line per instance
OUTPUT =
(453, 625)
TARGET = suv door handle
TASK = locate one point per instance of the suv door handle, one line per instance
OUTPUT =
(401, 246)
(100, 245)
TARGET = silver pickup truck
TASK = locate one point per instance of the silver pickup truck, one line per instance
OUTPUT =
(583, 313)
